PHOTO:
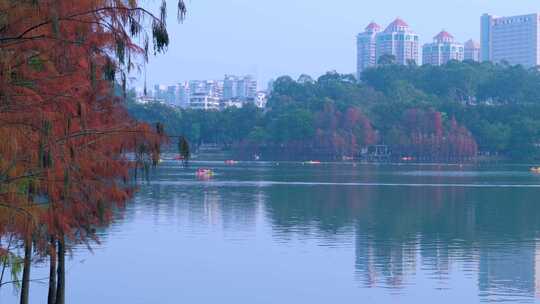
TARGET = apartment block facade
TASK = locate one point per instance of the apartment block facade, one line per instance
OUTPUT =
(514, 39)
(472, 51)
(443, 49)
(397, 40)
(366, 46)
(235, 87)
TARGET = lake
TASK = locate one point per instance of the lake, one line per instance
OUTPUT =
(332, 233)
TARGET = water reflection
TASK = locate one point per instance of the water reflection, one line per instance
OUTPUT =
(402, 238)
(399, 233)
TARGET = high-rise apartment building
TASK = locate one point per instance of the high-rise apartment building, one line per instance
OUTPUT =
(209, 87)
(515, 39)
(366, 46)
(397, 40)
(239, 87)
(229, 86)
(443, 49)
(472, 51)
(247, 87)
(183, 94)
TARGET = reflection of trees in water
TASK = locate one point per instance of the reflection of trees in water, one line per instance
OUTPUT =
(485, 232)
(226, 208)
(509, 225)
(326, 209)
(507, 270)
(402, 225)
(439, 227)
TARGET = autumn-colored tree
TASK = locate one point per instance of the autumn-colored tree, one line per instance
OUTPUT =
(67, 145)
(429, 139)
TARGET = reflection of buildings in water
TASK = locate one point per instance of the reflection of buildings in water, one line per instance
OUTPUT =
(537, 271)
(234, 211)
(211, 207)
(399, 229)
(260, 200)
(507, 271)
(402, 232)
(384, 262)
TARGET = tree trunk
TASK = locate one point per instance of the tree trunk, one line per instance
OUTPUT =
(61, 283)
(25, 288)
(51, 299)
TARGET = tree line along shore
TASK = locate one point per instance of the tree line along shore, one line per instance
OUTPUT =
(460, 111)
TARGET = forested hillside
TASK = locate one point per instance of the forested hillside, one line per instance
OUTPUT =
(447, 113)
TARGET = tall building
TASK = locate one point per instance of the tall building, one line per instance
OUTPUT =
(247, 87)
(443, 49)
(183, 94)
(239, 87)
(229, 87)
(515, 39)
(158, 91)
(398, 40)
(209, 87)
(366, 46)
(171, 94)
(472, 51)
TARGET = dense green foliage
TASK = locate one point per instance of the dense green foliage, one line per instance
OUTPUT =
(425, 112)
(498, 103)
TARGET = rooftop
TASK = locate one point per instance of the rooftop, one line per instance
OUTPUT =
(444, 36)
(373, 27)
(397, 25)
(472, 44)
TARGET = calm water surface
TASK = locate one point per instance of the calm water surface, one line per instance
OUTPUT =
(333, 233)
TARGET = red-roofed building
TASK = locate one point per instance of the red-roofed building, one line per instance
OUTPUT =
(373, 27)
(443, 49)
(396, 40)
(443, 37)
(399, 41)
(397, 25)
(366, 47)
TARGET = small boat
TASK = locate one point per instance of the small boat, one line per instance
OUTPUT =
(179, 157)
(204, 173)
(535, 169)
(313, 162)
(231, 162)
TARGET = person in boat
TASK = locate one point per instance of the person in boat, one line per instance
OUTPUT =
(204, 171)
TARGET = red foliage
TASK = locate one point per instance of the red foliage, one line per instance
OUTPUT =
(428, 139)
(64, 137)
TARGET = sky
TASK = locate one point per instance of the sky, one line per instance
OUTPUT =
(272, 38)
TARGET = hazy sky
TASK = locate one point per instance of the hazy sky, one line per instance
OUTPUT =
(270, 38)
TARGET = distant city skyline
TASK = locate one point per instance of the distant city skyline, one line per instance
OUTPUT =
(271, 39)
(208, 94)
